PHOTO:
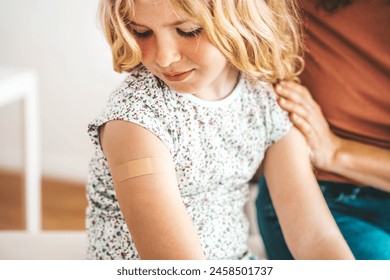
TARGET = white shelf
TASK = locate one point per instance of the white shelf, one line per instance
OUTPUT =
(18, 85)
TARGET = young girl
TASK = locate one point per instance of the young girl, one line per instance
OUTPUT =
(181, 137)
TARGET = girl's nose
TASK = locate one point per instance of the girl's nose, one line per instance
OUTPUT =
(167, 52)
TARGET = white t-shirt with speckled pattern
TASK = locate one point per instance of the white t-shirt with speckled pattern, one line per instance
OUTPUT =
(216, 147)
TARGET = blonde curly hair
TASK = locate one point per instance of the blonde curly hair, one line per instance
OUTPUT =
(261, 38)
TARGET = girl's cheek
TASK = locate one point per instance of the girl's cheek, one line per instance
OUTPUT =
(146, 49)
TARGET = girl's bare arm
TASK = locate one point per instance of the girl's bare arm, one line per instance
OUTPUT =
(307, 224)
(151, 204)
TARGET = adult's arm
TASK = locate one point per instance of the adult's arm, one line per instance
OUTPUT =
(366, 164)
(307, 224)
(151, 204)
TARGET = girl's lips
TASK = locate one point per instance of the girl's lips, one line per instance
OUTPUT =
(177, 77)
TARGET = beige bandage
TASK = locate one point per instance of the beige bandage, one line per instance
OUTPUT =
(138, 167)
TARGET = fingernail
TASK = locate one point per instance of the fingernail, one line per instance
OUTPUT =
(279, 87)
(282, 100)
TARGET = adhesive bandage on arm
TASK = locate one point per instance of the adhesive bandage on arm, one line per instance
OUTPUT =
(138, 167)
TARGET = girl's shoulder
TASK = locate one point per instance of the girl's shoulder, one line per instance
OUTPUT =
(139, 85)
(262, 92)
(275, 119)
(141, 99)
(141, 91)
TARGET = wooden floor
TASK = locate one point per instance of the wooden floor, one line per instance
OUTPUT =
(63, 203)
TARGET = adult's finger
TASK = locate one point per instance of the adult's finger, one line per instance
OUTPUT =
(293, 107)
(297, 92)
(306, 129)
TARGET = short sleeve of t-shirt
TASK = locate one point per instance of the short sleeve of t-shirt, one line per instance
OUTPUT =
(277, 121)
(134, 101)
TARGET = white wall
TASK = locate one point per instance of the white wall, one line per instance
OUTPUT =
(62, 41)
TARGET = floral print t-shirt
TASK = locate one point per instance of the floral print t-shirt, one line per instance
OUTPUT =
(216, 147)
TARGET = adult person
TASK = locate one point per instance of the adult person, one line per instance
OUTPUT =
(344, 113)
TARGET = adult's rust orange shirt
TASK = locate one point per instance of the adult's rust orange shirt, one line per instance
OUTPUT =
(347, 69)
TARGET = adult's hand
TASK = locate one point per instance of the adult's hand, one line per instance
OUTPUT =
(363, 163)
(307, 116)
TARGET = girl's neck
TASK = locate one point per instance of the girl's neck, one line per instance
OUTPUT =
(223, 89)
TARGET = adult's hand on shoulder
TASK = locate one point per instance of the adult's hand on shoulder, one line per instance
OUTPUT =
(308, 117)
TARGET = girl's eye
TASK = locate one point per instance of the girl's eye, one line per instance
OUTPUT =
(142, 35)
(186, 34)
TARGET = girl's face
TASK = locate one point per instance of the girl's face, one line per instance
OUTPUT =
(177, 51)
